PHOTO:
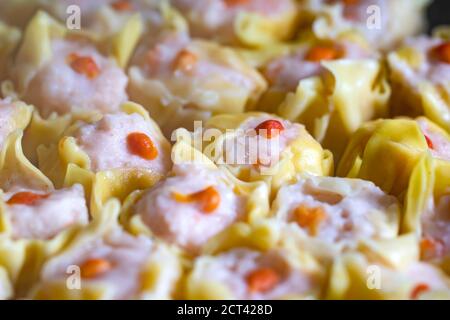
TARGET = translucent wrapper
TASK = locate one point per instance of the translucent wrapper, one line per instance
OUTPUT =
(420, 87)
(255, 195)
(334, 106)
(380, 22)
(386, 152)
(301, 154)
(66, 163)
(179, 98)
(156, 278)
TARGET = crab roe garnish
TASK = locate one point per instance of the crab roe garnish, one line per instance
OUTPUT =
(231, 3)
(443, 52)
(431, 248)
(208, 199)
(83, 65)
(309, 218)
(418, 290)
(322, 52)
(271, 128)
(122, 5)
(262, 280)
(93, 268)
(185, 61)
(26, 198)
(141, 145)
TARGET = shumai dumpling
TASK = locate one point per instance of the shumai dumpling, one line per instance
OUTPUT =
(381, 22)
(13, 115)
(105, 262)
(262, 147)
(244, 273)
(245, 22)
(124, 140)
(331, 87)
(59, 72)
(337, 212)
(386, 151)
(427, 209)
(180, 80)
(420, 76)
(354, 276)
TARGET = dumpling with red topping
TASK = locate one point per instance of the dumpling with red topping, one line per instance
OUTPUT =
(338, 212)
(381, 22)
(261, 147)
(180, 80)
(105, 262)
(43, 215)
(65, 74)
(244, 273)
(247, 22)
(420, 79)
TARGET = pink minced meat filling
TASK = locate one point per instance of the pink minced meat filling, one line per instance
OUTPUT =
(7, 124)
(248, 148)
(47, 217)
(185, 223)
(57, 87)
(285, 72)
(105, 142)
(353, 209)
(233, 268)
(126, 254)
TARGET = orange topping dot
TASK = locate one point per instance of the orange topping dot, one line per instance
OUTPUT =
(443, 52)
(418, 290)
(350, 2)
(430, 248)
(26, 198)
(319, 53)
(185, 61)
(231, 3)
(429, 142)
(262, 279)
(271, 128)
(122, 5)
(83, 65)
(209, 198)
(309, 218)
(141, 145)
(95, 267)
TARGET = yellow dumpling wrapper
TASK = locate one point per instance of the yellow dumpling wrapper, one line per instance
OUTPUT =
(334, 106)
(385, 152)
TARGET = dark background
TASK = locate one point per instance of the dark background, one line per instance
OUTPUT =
(438, 13)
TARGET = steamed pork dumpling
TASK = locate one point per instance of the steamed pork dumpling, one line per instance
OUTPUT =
(338, 211)
(124, 141)
(42, 215)
(115, 262)
(438, 143)
(420, 74)
(180, 80)
(219, 19)
(285, 72)
(190, 206)
(248, 274)
(77, 77)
